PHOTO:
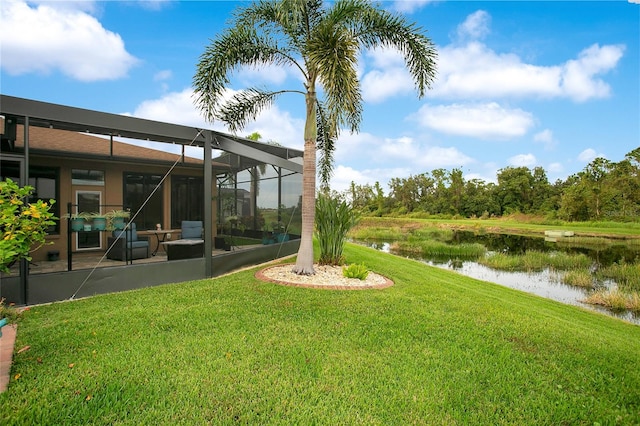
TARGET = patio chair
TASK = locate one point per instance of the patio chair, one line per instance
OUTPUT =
(137, 248)
(191, 230)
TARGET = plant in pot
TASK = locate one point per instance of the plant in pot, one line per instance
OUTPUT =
(279, 233)
(267, 238)
(117, 219)
(99, 221)
(228, 242)
(78, 220)
(230, 227)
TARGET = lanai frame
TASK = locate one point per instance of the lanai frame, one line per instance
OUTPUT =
(42, 114)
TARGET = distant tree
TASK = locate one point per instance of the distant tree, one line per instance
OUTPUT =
(588, 192)
(541, 192)
(515, 189)
(573, 202)
(404, 193)
(480, 199)
(594, 178)
(624, 180)
(456, 191)
(366, 198)
(322, 41)
(440, 182)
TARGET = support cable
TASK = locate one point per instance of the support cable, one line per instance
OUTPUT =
(134, 216)
(286, 230)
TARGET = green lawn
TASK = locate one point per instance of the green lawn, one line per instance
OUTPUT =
(436, 348)
(507, 225)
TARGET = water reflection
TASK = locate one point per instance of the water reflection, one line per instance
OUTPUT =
(602, 255)
(544, 284)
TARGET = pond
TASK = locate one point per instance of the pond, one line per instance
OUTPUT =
(545, 283)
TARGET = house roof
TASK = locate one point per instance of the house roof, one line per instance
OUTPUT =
(54, 116)
(65, 143)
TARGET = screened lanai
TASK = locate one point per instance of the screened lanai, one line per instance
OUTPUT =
(163, 174)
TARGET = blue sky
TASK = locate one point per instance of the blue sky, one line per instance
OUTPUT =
(541, 83)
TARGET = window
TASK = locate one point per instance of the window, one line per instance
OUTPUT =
(186, 199)
(137, 188)
(44, 180)
(87, 177)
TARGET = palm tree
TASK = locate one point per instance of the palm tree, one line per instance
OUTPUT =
(323, 44)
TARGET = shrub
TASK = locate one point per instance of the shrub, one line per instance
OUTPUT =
(615, 300)
(9, 312)
(23, 224)
(626, 275)
(355, 270)
(431, 248)
(578, 278)
(334, 219)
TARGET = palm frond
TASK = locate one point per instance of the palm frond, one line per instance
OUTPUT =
(238, 46)
(245, 106)
(381, 28)
(326, 145)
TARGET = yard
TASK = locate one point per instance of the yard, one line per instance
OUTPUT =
(435, 348)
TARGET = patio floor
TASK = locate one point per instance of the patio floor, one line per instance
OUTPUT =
(90, 260)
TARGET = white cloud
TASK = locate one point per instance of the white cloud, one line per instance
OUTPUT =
(419, 156)
(271, 74)
(344, 175)
(484, 121)
(402, 148)
(475, 71)
(523, 160)
(393, 157)
(352, 145)
(476, 26)
(588, 155)
(163, 75)
(555, 168)
(409, 6)
(389, 76)
(154, 4)
(174, 107)
(439, 157)
(378, 86)
(385, 57)
(46, 38)
(178, 107)
(578, 80)
(279, 126)
(546, 138)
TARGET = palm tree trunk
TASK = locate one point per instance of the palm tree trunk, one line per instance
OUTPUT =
(304, 261)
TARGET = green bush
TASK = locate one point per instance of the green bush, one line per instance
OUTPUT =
(355, 270)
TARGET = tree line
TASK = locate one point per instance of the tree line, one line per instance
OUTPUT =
(603, 190)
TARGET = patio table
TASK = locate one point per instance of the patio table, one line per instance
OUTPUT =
(161, 237)
(184, 249)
